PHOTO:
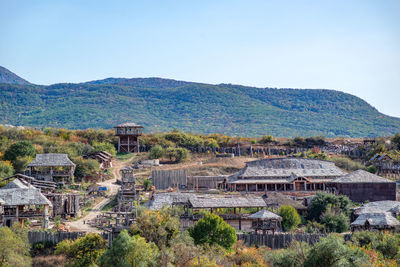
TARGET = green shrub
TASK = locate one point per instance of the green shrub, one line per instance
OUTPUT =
(290, 218)
(156, 152)
(213, 230)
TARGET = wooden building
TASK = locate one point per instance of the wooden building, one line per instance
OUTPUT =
(283, 174)
(385, 166)
(265, 221)
(21, 201)
(234, 209)
(127, 196)
(51, 167)
(381, 221)
(361, 186)
(128, 137)
(103, 157)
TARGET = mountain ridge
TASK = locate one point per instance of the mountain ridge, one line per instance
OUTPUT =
(165, 104)
(6, 76)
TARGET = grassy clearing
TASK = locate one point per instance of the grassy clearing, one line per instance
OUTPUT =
(124, 156)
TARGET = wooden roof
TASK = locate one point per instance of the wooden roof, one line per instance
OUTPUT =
(51, 160)
(381, 219)
(265, 215)
(211, 201)
(361, 176)
(128, 124)
(23, 196)
(280, 168)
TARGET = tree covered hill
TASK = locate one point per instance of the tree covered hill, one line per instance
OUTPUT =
(163, 104)
(7, 76)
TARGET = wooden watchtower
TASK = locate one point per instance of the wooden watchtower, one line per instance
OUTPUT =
(128, 137)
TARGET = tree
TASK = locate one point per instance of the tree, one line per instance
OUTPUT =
(320, 202)
(331, 252)
(20, 163)
(83, 251)
(85, 167)
(213, 230)
(396, 140)
(13, 250)
(372, 169)
(19, 149)
(146, 184)
(156, 226)
(130, 251)
(290, 218)
(103, 146)
(156, 152)
(177, 153)
(267, 139)
(6, 169)
(335, 220)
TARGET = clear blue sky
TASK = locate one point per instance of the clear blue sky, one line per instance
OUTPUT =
(352, 46)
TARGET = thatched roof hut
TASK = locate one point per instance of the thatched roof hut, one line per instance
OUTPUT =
(265, 215)
(377, 221)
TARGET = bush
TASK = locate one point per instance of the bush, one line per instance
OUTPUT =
(6, 169)
(83, 251)
(290, 218)
(130, 251)
(321, 201)
(86, 167)
(178, 154)
(331, 251)
(158, 227)
(14, 248)
(156, 152)
(267, 139)
(213, 230)
(146, 184)
(103, 146)
(19, 149)
(335, 221)
(347, 164)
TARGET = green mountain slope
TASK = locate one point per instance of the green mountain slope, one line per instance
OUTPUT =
(7, 76)
(162, 105)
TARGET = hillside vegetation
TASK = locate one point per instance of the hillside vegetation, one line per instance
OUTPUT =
(163, 105)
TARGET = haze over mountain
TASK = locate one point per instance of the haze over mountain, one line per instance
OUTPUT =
(164, 104)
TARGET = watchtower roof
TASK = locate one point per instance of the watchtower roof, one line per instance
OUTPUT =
(128, 124)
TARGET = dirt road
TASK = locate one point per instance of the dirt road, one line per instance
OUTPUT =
(81, 224)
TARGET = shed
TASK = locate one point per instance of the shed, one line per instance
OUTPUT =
(375, 221)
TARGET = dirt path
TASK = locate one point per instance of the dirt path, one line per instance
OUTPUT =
(81, 224)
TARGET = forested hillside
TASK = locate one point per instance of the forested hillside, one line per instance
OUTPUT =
(162, 105)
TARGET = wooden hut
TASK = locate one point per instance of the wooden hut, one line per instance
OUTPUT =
(375, 221)
(264, 221)
(22, 201)
(50, 166)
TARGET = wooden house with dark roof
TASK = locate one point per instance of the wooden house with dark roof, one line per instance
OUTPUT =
(284, 174)
(361, 186)
(21, 201)
(51, 166)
